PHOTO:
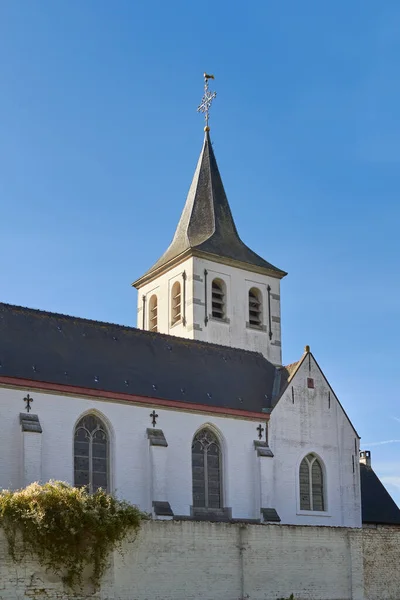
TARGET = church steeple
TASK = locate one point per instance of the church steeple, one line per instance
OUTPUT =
(209, 285)
(206, 226)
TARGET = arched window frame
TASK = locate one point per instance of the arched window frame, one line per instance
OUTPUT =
(218, 299)
(207, 429)
(176, 303)
(255, 308)
(107, 428)
(153, 313)
(311, 457)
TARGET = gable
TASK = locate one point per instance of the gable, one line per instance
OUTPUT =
(298, 374)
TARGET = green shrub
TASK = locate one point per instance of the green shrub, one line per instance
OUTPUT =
(65, 527)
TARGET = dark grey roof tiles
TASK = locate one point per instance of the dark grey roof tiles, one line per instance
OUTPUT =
(54, 348)
(206, 223)
(376, 503)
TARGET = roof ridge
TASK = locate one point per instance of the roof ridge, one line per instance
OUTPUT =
(131, 328)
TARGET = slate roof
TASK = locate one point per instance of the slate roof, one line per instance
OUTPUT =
(377, 504)
(59, 349)
(283, 376)
(206, 223)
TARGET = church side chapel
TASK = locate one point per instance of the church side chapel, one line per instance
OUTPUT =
(192, 414)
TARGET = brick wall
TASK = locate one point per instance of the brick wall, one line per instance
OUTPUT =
(206, 561)
(381, 551)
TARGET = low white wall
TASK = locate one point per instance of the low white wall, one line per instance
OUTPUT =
(205, 561)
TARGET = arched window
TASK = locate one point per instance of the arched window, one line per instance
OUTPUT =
(218, 299)
(311, 484)
(206, 469)
(91, 454)
(153, 319)
(176, 303)
(255, 307)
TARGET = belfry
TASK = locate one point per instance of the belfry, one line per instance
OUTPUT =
(208, 285)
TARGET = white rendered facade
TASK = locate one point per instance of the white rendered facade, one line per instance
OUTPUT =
(234, 329)
(141, 473)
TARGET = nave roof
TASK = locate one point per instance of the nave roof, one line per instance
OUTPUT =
(64, 350)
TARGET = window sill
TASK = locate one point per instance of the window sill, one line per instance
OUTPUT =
(176, 323)
(313, 513)
(216, 320)
(261, 328)
(211, 514)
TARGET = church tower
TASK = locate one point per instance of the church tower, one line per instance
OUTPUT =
(209, 285)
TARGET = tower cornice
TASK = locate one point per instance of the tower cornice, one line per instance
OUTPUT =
(193, 253)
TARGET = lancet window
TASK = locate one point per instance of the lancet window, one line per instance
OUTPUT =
(91, 454)
(206, 469)
(311, 484)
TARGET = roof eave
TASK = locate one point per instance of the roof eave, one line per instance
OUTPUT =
(155, 272)
(273, 272)
(193, 252)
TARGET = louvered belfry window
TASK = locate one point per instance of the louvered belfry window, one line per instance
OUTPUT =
(311, 484)
(206, 468)
(153, 316)
(176, 303)
(91, 454)
(218, 299)
(255, 307)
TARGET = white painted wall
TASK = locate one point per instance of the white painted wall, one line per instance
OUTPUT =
(162, 287)
(205, 561)
(309, 425)
(131, 465)
(249, 482)
(235, 330)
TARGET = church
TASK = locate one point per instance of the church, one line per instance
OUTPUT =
(192, 414)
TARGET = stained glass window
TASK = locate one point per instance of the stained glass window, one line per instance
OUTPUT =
(91, 454)
(206, 468)
(311, 484)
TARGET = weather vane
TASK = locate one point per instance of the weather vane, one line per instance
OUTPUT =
(206, 100)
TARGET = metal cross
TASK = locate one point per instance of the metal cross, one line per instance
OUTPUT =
(207, 99)
(28, 401)
(260, 430)
(154, 416)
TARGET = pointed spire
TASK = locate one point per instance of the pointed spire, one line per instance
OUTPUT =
(206, 226)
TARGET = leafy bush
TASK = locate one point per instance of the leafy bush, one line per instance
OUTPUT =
(65, 527)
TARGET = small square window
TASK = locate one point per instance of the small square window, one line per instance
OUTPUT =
(310, 383)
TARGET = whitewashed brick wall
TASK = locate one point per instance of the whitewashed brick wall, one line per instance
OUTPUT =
(205, 561)
(130, 457)
(234, 332)
(295, 429)
(312, 420)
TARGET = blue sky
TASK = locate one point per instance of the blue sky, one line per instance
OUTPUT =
(100, 137)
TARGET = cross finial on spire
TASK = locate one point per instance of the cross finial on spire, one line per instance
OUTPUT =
(206, 101)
